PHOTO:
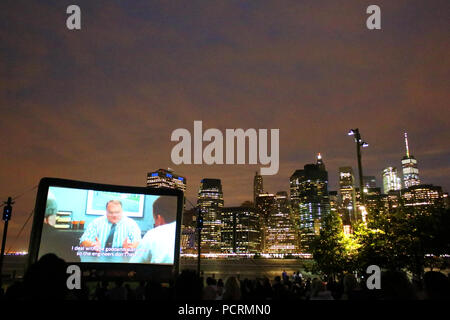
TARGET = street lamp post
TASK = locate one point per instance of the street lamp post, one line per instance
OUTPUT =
(7, 211)
(359, 143)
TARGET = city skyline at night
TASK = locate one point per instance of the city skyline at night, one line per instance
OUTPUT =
(307, 204)
(171, 179)
(100, 104)
(247, 153)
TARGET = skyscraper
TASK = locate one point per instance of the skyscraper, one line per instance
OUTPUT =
(391, 181)
(258, 187)
(240, 232)
(409, 168)
(309, 199)
(188, 242)
(334, 200)
(163, 178)
(281, 236)
(319, 162)
(188, 239)
(348, 195)
(266, 206)
(210, 203)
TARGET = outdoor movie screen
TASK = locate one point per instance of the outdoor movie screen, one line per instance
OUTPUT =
(103, 226)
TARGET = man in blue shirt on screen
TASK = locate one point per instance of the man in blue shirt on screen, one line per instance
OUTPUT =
(158, 244)
(113, 230)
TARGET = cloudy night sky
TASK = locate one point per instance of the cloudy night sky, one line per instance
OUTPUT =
(100, 104)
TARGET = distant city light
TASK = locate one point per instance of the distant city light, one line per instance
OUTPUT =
(16, 253)
(246, 255)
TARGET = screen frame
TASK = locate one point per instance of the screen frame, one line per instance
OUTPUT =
(155, 271)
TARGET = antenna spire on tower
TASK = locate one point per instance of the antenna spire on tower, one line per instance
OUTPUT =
(406, 143)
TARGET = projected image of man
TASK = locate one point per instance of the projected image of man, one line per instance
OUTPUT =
(113, 230)
(158, 244)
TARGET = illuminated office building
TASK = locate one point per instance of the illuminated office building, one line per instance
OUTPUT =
(309, 199)
(266, 206)
(265, 202)
(334, 200)
(188, 239)
(423, 195)
(409, 168)
(162, 178)
(281, 235)
(210, 203)
(258, 187)
(391, 181)
(240, 232)
(348, 195)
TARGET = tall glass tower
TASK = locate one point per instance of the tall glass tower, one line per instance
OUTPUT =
(266, 206)
(210, 202)
(347, 194)
(309, 199)
(409, 168)
(391, 181)
(257, 186)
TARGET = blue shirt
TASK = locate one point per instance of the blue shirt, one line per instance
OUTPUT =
(157, 246)
(101, 227)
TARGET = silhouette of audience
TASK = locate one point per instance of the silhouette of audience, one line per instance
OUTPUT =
(46, 280)
(437, 286)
